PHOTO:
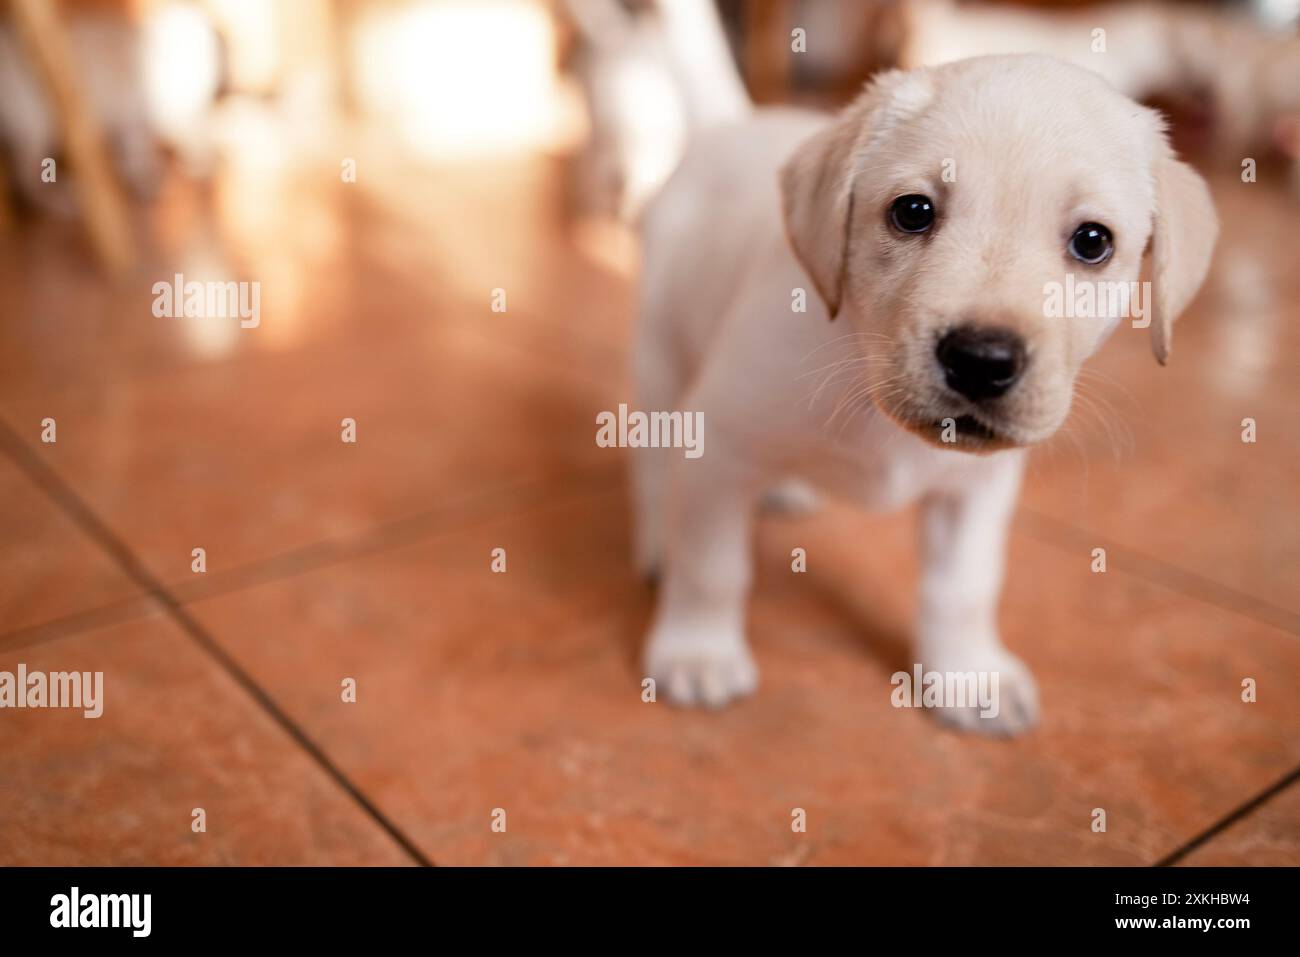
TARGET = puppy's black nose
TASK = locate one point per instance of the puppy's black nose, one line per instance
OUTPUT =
(980, 362)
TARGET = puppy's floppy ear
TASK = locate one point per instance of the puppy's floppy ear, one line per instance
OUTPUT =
(1182, 240)
(817, 180)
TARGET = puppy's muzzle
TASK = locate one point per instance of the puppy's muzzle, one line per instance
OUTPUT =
(981, 362)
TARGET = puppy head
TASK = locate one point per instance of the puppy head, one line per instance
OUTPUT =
(983, 223)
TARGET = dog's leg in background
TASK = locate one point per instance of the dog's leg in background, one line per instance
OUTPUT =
(964, 532)
(697, 651)
(711, 85)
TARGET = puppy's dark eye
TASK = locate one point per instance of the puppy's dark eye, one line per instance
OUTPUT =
(1091, 244)
(912, 214)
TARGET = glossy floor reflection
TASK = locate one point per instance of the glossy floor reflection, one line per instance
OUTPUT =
(328, 561)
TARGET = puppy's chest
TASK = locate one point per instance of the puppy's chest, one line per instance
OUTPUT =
(879, 469)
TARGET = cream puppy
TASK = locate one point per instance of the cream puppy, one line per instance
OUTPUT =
(924, 225)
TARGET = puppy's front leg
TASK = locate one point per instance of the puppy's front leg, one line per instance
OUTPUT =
(697, 651)
(963, 545)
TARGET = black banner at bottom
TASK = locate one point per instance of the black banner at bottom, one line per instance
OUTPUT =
(217, 906)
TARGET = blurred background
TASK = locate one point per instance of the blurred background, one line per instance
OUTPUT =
(437, 201)
(176, 94)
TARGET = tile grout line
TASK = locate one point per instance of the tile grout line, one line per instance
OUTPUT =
(46, 479)
(316, 555)
(82, 515)
(1051, 531)
(1229, 819)
(1056, 533)
(305, 559)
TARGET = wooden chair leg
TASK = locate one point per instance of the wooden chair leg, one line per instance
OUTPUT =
(42, 32)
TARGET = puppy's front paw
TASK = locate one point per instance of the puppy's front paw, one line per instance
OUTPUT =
(1008, 693)
(692, 671)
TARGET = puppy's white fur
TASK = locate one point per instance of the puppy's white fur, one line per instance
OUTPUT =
(786, 200)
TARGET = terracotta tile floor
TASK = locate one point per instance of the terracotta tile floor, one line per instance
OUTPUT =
(520, 691)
